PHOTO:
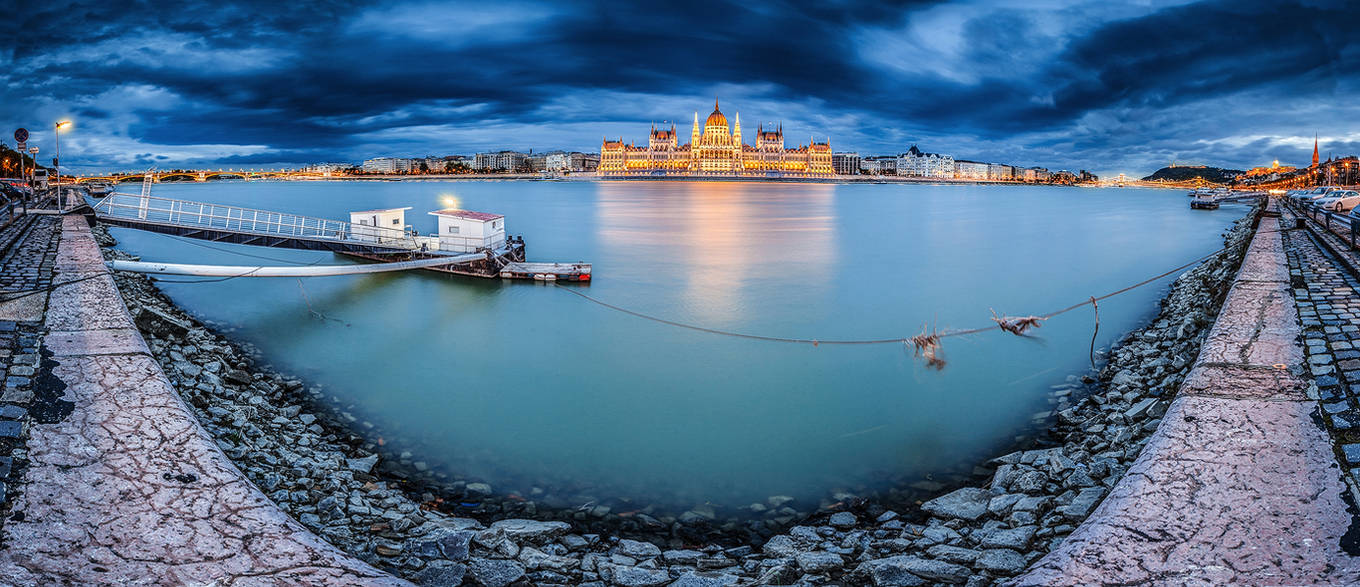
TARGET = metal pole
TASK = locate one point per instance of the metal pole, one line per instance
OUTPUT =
(56, 161)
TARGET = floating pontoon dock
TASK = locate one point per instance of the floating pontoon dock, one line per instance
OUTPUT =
(496, 255)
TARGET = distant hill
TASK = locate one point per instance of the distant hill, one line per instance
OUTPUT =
(1214, 174)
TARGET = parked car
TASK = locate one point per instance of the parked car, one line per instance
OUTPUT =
(1341, 201)
(1312, 194)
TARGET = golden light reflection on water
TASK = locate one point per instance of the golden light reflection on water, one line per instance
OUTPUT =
(730, 234)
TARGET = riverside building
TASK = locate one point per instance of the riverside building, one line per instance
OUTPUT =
(715, 150)
(845, 163)
(919, 164)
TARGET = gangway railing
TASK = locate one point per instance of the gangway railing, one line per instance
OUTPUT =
(278, 228)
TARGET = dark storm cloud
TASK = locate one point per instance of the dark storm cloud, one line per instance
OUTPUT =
(1083, 85)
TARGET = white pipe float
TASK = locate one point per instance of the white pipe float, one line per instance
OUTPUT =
(296, 271)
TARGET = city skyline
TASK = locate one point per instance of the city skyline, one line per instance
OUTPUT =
(1064, 85)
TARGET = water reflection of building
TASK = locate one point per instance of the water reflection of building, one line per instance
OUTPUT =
(716, 151)
(718, 240)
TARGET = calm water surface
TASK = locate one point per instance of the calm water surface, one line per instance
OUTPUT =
(521, 385)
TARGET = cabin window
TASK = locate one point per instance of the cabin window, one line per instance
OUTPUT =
(495, 225)
(453, 230)
(396, 221)
(363, 223)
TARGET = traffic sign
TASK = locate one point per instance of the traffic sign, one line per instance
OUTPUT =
(22, 146)
(21, 135)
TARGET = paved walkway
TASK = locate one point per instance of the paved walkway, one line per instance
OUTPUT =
(127, 488)
(1239, 485)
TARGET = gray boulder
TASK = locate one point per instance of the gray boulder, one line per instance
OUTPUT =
(530, 531)
(638, 550)
(781, 545)
(969, 503)
(1014, 538)
(1001, 560)
(495, 572)
(909, 570)
(634, 576)
(441, 574)
(843, 520)
(818, 562)
(698, 579)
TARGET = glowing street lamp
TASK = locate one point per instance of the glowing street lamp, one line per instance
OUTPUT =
(56, 160)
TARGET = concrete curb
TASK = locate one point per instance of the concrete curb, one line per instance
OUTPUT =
(129, 488)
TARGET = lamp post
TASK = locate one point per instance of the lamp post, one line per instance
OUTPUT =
(56, 160)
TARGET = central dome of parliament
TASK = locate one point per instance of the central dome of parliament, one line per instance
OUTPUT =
(717, 118)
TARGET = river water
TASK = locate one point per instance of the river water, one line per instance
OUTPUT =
(521, 385)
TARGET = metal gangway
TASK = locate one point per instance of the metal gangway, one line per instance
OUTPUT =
(247, 226)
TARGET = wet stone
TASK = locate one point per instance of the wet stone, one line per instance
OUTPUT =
(494, 572)
(969, 503)
(11, 430)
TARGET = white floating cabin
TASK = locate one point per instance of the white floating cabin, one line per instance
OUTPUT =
(378, 226)
(465, 231)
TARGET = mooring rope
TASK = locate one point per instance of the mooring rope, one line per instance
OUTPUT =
(927, 343)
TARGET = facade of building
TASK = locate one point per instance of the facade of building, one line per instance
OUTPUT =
(916, 163)
(845, 163)
(878, 165)
(574, 162)
(379, 226)
(1033, 174)
(970, 170)
(1000, 172)
(511, 161)
(465, 231)
(327, 168)
(387, 165)
(715, 150)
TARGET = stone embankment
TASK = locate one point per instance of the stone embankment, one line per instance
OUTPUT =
(120, 484)
(1239, 485)
(318, 471)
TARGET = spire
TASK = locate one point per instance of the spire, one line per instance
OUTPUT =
(715, 103)
(1315, 150)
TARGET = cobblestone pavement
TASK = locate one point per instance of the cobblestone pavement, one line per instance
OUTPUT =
(1328, 299)
(27, 256)
(32, 251)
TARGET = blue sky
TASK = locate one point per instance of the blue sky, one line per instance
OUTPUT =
(1105, 86)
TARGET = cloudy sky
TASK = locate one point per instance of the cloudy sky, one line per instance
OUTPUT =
(1095, 85)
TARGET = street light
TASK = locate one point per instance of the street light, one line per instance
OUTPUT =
(56, 160)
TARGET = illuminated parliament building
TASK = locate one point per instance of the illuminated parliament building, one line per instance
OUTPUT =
(714, 150)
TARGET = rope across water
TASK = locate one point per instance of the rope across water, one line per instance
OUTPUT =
(1002, 323)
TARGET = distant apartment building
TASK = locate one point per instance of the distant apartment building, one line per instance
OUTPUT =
(970, 170)
(387, 165)
(1000, 172)
(327, 167)
(1035, 174)
(1064, 177)
(917, 163)
(845, 163)
(878, 165)
(585, 161)
(511, 161)
(454, 161)
(573, 162)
